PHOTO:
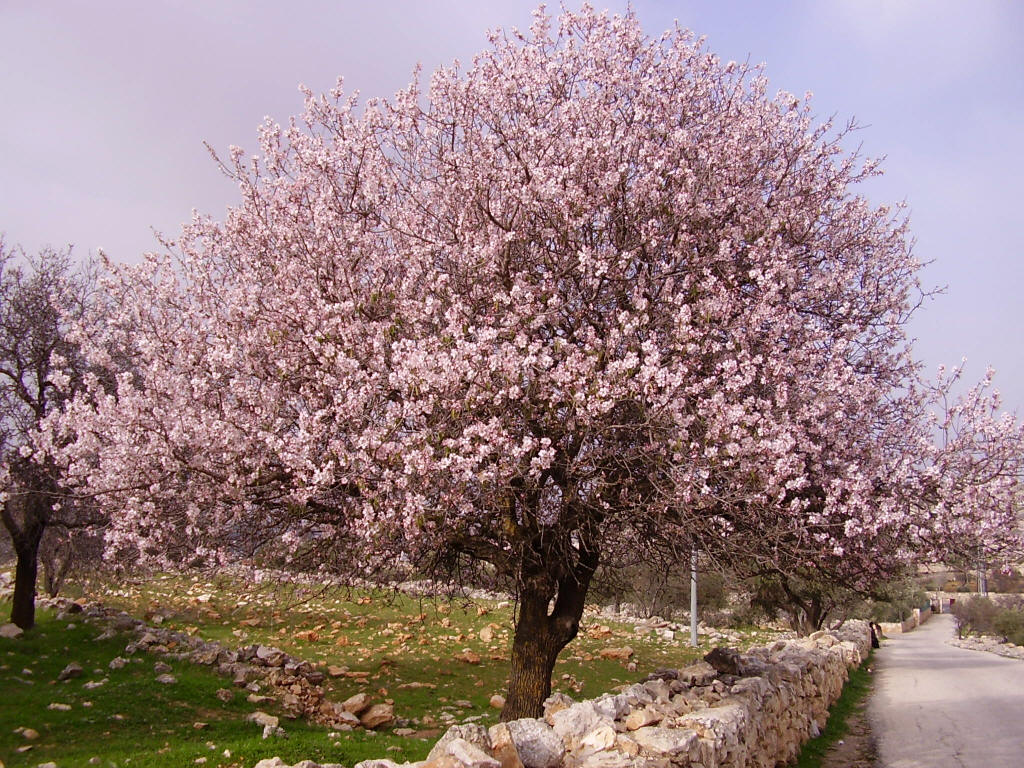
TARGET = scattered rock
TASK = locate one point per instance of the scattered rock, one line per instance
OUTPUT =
(356, 704)
(29, 734)
(60, 707)
(497, 701)
(468, 656)
(160, 667)
(377, 716)
(117, 663)
(166, 679)
(71, 671)
(11, 631)
(262, 718)
(621, 654)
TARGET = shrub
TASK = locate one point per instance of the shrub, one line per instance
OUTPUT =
(975, 616)
(1009, 624)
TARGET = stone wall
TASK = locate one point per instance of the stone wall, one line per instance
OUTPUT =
(732, 710)
(915, 620)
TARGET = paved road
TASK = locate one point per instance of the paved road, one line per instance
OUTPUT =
(938, 706)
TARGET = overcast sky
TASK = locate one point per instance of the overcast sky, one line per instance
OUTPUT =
(104, 108)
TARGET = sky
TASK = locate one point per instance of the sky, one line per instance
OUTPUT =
(105, 107)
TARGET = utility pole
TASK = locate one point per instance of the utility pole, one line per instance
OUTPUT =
(693, 597)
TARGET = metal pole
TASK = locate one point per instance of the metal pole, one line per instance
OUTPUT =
(693, 598)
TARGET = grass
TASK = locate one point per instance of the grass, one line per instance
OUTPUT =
(852, 699)
(439, 662)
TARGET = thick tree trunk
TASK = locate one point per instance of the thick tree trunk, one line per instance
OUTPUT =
(23, 607)
(540, 635)
(537, 644)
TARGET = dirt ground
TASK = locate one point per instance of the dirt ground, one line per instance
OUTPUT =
(857, 748)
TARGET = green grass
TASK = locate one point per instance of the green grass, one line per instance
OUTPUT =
(131, 720)
(394, 647)
(853, 697)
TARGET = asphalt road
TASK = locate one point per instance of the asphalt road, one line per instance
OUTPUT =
(938, 706)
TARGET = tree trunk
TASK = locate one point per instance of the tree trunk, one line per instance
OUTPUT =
(540, 636)
(23, 607)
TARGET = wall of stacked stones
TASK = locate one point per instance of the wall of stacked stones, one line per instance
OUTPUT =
(915, 620)
(733, 710)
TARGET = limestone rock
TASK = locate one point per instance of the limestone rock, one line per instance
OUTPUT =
(356, 704)
(11, 631)
(71, 671)
(497, 701)
(698, 674)
(575, 722)
(503, 746)
(466, 754)
(262, 718)
(640, 718)
(536, 742)
(599, 739)
(555, 703)
(117, 663)
(621, 654)
(166, 679)
(378, 715)
(269, 656)
(666, 741)
(369, 764)
(471, 733)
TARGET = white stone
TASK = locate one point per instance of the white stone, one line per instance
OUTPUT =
(537, 743)
(11, 631)
(666, 741)
(262, 718)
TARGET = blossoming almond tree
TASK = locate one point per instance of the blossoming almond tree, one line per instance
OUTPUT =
(40, 296)
(595, 290)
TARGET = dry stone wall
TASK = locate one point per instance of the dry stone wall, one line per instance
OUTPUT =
(732, 710)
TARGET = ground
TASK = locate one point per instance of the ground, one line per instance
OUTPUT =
(857, 747)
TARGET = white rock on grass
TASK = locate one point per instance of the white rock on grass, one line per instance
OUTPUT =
(262, 718)
(11, 631)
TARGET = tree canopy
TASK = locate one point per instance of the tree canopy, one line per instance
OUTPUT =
(595, 292)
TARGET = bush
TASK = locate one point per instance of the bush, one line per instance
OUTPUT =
(1009, 624)
(975, 616)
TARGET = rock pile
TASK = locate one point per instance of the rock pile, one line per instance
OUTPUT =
(291, 681)
(732, 710)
